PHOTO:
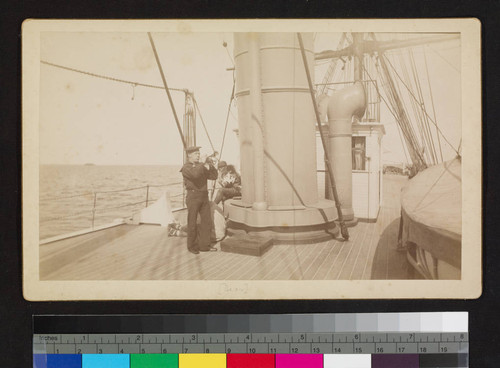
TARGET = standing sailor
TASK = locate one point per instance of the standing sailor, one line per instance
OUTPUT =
(195, 176)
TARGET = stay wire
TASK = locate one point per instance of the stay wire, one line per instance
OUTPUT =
(133, 83)
(225, 129)
(432, 102)
(343, 227)
(203, 123)
(417, 113)
(442, 57)
(227, 118)
(398, 128)
(402, 123)
(440, 132)
(425, 121)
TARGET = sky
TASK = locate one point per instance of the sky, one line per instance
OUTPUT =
(84, 119)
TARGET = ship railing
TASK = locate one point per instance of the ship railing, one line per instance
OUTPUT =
(96, 197)
(372, 113)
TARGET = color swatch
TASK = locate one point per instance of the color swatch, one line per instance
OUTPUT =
(250, 361)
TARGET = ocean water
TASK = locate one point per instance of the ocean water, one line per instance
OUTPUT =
(70, 193)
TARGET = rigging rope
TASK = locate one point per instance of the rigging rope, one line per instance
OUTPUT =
(172, 106)
(398, 128)
(225, 129)
(88, 194)
(425, 118)
(416, 105)
(203, 123)
(402, 118)
(110, 78)
(432, 101)
(419, 146)
(332, 67)
(227, 118)
(440, 132)
(343, 227)
(442, 57)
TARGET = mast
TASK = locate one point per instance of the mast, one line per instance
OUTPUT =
(357, 47)
(361, 47)
(375, 46)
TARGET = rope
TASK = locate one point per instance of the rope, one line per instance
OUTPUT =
(203, 123)
(224, 135)
(401, 119)
(110, 191)
(343, 227)
(332, 67)
(432, 101)
(67, 197)
(439, 130)
(165, 185)
(167, 90)
(432, 148)
(121, 190)
(227, 119)
(121, 206)
(110, 78)
(63, 217)
(442, 57)
(417, 108)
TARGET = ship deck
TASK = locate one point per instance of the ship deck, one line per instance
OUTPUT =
(146, 252)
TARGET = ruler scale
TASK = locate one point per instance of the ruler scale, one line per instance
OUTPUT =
(242, 341)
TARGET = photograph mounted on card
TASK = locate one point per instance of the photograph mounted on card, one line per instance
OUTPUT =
(251, 159)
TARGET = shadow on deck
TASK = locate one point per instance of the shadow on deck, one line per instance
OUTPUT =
(389, 262)
(146, 252)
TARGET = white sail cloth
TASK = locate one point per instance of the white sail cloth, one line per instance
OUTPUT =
(431, 210)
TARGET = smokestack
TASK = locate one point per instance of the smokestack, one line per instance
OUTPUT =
(278, 142)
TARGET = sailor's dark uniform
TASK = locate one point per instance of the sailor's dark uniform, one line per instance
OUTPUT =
(195, 181)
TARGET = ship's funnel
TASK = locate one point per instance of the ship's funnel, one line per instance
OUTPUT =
(277, 139)
(343, 105)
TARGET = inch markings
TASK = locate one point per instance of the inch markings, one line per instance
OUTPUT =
(253, 343)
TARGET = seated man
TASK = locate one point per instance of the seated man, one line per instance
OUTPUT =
(230, 182)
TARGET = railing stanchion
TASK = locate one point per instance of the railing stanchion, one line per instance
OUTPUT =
(147, 194)
(93, 209)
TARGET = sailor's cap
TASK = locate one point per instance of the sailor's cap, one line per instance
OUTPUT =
(192, 149)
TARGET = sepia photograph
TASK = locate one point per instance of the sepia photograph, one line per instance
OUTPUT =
(251, 159)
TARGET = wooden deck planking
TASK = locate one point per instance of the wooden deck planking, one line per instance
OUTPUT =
(329, 261)
(330, 252)
(310, 273)
(145, 252)
(336, 268)
(356, 247)
(308, 253)
(366, 259)
(286, 262)
(355, 270)
(266, 263)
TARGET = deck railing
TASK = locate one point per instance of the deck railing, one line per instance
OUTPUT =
(97, 198)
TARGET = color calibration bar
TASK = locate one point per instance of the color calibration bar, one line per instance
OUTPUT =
(249, 361)
(260, 341)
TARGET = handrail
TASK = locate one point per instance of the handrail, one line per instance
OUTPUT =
(88, 194)
(95, 208)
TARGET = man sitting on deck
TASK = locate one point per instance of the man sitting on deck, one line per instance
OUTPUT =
(230, 182)
(195, 176)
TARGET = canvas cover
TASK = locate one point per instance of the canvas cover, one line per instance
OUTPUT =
(431, 205)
